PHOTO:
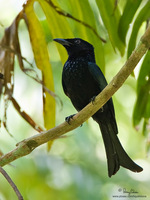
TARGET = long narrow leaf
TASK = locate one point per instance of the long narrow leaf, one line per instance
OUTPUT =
(126, 18)
(60, 29)
(142, 106)
(142, 16)
(110, 19)
(42, 61)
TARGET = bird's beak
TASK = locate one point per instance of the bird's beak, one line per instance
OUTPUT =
(62, 41)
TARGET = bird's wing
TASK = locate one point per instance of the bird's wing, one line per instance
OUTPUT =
(100, 79)
(97, 75)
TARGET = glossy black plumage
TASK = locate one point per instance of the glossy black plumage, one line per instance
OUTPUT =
(82, 79)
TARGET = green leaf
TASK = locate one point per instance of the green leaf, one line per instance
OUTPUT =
(142, 16)
(126, 18)
(142, 106)
(58, 26)
(41, 56)
(48, 36)
(110, 17)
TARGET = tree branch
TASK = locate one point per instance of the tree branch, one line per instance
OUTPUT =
(28, 145)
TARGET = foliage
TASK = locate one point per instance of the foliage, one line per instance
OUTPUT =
(58, 22)
(120, 23)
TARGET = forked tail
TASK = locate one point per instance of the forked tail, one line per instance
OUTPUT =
(116, 155)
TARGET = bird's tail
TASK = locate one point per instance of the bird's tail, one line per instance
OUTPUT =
(116, 155)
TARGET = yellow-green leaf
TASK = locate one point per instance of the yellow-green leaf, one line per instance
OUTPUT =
(58, 25)
(41, 56)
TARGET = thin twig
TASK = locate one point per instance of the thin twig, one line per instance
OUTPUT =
(20, 197)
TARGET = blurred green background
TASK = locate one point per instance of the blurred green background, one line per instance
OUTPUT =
(76, 167)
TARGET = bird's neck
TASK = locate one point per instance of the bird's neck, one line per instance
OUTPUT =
(85, 55)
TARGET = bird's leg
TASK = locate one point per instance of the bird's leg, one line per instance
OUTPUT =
(67, 119)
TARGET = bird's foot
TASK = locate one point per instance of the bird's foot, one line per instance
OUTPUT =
(93, 99)
(67, 119)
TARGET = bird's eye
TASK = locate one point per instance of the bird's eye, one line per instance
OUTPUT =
(77, 41)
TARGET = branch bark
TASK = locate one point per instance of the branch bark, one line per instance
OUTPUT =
(28, 145)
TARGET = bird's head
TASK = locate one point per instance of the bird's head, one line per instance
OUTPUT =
(76, 46)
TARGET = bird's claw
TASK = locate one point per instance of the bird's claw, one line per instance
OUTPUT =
(93, 99)
(67, 119)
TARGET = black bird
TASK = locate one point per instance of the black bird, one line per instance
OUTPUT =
(82, 80)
